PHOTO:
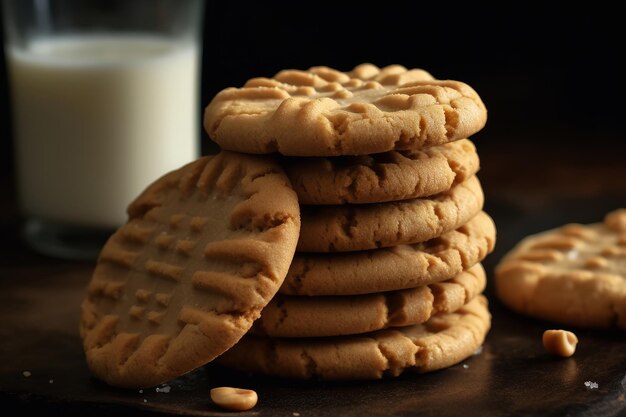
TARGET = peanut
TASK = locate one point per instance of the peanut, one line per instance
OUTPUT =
(560, 342)
(237, 399)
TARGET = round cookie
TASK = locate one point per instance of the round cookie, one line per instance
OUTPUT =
(394, 268)
(378, 178)
(359, 227)
(575, 274)
(325, 112)
(441, 342)
(204, 250)
(292, 316)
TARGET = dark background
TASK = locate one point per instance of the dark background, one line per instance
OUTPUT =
(549, 75)
(552, 152)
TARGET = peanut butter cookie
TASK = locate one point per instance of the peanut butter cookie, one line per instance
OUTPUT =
(204, 250)
(325, 112)
(575, 274)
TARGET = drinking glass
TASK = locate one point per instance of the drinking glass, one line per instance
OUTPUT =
(105, 99)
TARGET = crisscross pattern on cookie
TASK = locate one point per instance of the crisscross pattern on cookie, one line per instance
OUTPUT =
(205, 249)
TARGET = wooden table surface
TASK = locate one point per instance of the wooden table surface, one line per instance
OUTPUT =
(526, 192)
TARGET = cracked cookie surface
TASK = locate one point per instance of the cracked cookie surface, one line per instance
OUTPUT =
(325, 112)
(378, 178)
(395, 268)
(442, 341)
(574, 274)
(293, 316)
(204, 250)
(350, 227)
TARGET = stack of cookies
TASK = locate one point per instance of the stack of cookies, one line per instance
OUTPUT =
(387, 274)
(355, 254)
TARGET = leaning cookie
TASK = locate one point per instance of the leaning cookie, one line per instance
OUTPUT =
(442, 341)
(378, 178)
(325, 112)
(293, 316)
(575, 274)
(394, 268)
(204, 250)
(351, 227)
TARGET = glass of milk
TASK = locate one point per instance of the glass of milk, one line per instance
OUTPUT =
(105, 99)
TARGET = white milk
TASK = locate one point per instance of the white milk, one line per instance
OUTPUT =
(96, 119)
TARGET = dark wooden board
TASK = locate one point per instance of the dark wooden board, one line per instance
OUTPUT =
(39, 307)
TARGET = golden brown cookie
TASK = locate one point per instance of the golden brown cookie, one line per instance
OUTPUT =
(442, 341)
(325, 112)
(378, 178)
(204, 250)
(293, 316)
(359, 227)
(395, 268)
(575, 274)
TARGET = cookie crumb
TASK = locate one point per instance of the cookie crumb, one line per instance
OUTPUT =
(141, 391)
(145, 401)
(591, 385)
(465, 366)
(26, 374)
(51, 381)
(165, 389)
(295, 414)
(478, 351)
